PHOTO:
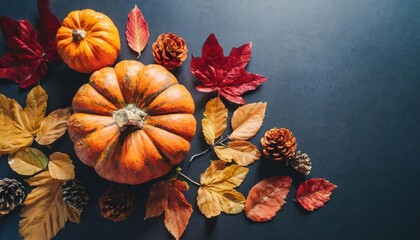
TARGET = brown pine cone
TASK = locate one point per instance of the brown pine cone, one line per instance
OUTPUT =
(301, 163)
(278, 144)
(169, 50)
(116, 204)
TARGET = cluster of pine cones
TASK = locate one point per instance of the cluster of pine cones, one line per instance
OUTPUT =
(280, 144)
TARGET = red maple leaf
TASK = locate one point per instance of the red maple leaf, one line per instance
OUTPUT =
(226, 75)
(29, 52)
(313, 193)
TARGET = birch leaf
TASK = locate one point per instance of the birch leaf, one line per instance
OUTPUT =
(53, 126)
(61, 166)
(28, 161)
(247, 120)
(266, 198)
(216, 193)
(215, 120)
(242, 152)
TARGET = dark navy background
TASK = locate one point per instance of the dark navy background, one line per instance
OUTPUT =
(343, 76)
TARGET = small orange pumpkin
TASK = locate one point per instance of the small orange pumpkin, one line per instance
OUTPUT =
(132, 123)
(88, 41)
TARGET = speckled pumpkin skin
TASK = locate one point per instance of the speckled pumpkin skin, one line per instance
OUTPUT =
(132, 154)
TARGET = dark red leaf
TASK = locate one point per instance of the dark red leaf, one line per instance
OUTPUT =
(266, 198)
(226, 75)
(48, 26)
(25, 63)
(313, 193)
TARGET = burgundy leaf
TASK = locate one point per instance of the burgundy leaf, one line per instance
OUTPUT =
(313, 193)
(25, 63)
(226, 75)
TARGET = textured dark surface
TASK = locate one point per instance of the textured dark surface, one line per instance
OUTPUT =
(343, 76)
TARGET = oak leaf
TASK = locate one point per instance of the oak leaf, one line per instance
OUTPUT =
(226, 75)
(28, 161)
(214, 121)
(61, 166)
(29, 52)
(242, 152)
(44, 213)
(313, 193)
(216, 193)
(166, 196)
(247, 120)
(19, 127)
(137, 31)
(266, 198)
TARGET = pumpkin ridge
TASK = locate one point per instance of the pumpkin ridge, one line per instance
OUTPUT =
(155, 121)
(84, 102)
(107, 86)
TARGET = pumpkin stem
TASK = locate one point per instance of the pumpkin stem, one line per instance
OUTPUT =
(130, 115)
(78, 34)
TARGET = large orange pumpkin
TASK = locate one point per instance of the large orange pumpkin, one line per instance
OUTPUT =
(88, 41)
(132, 123)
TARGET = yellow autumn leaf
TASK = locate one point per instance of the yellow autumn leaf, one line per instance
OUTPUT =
(242, 152)
(214, 120)
(247, 120)
(53, 126)
(44, 213)
(36, 107)
(61, 166)
(28, 161)
(216, 193)
(13, 133)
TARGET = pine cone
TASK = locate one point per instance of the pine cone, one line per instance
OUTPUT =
(301, 163)
(278, 144)
(75, 195)
(116, 204)
(169, 50)
(12, 194)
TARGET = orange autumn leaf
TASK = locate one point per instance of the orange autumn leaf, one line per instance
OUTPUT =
(247, 120)
(215, 120)
(266, 198)
(166, 196)
(137, 31)
(313, 193)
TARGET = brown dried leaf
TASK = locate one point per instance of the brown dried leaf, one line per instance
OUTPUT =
(247, 120)
(166, 196)
(53, 126)
(242, 152)
(266, 198)
(215, 120)
(28, 161)
(216, 193)
(61, 166)
(44, 213)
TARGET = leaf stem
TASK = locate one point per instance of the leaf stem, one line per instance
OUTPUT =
(189, 179)
(199, 154)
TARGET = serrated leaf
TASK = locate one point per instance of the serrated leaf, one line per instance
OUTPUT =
(137, 31)
(267, 197)
(44, 213)
(166, 196)
(53, 126)
(28, 161)
(216, 193)
(247, 120)
(314, 193)
(214, 120)
(242, 152)
(36, 107)
(61, 166)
